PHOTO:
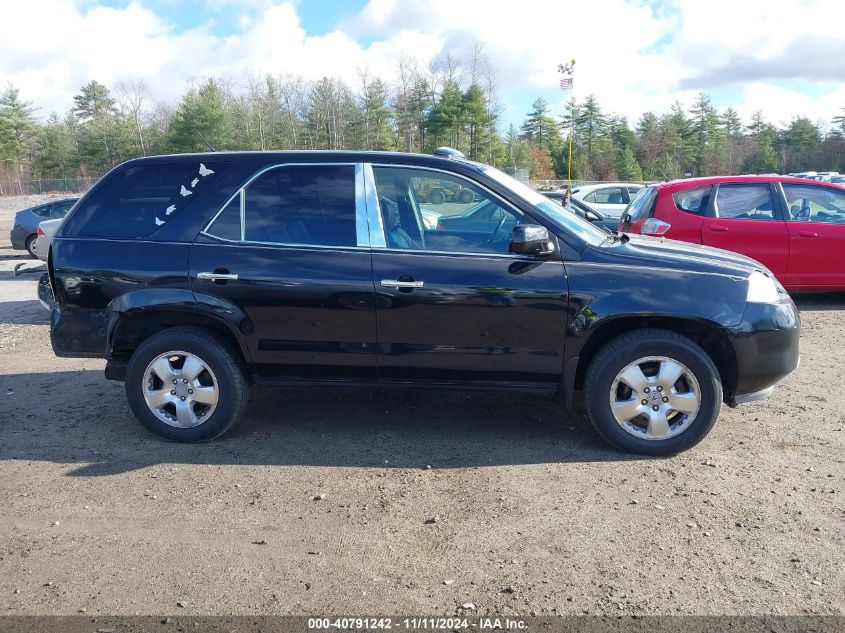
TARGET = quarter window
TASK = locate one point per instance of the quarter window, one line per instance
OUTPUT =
(425, 210)
(744, 202)
(807, 203)
(139, 200)
(693, 200)
(302, 204)
(227, 225)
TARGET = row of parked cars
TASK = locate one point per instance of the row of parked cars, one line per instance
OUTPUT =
(795, 226)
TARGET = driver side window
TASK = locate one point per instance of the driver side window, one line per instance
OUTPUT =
(435, 211)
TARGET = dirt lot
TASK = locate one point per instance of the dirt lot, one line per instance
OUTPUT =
(534, 512)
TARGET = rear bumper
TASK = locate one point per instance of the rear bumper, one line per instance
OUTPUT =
(80, 333)
(765, 346)
(17, 236)
(45, 292)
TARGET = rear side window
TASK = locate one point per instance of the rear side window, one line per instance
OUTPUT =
(41, 211)
(302, 204)
(60, 209)
(745, 202)
(693, 200)
(608, 195)
(139, 200)
(642, 204)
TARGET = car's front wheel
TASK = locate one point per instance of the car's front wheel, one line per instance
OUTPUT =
(652, 392)
(186, 384)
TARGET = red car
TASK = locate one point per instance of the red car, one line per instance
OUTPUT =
(794, 226)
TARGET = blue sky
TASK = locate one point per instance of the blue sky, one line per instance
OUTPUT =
(785, 57)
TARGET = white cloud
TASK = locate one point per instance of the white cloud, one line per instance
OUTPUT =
(633, 55)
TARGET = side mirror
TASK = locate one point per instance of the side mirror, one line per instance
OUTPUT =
(531, 239)
(592, 216)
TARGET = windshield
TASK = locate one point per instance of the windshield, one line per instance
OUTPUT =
(552, 210)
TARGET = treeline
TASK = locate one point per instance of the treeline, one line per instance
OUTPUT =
(444, 102)
(699, 140)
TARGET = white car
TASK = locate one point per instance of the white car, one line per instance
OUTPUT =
(46, 230)
(609, 198)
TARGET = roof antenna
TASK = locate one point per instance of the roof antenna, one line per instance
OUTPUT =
(204, 140)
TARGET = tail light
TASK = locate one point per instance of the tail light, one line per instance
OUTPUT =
(653, 226)
(40, 232)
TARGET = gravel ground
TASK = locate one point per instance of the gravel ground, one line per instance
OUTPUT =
(534, 513)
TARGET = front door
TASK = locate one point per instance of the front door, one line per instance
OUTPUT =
(816, 221)
(286, 252)
(452, 303)
(745, 220)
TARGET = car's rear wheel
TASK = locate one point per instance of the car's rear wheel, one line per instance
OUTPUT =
(30, 246)
(437, 197)
(652, 392)
(186, 384)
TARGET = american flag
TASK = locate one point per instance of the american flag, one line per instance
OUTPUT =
(566, 83)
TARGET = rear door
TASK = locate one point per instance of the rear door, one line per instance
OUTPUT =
(288, 250)
(816, 224)
(743, 218)
(453, 304)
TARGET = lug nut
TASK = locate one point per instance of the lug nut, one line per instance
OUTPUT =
(655, 407)
(645, 401)
(660, 388)
(173, 393)
(192, 391)
(185, 380)
(665, 399)
(647, 389)
(183, 397)
(175, 381)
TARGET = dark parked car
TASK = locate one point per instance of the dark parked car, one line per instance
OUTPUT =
(583, 210)
(25, 227)
(199, 275)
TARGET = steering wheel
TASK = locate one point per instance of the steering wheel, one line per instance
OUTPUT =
(495, 236)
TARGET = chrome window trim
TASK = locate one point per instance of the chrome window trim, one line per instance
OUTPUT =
(377, 237)
(511, 256)
(241, 191)
(362, 228)
(242, 203)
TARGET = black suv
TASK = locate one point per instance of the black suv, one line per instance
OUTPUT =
(198, 275)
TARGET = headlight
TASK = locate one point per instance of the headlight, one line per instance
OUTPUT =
(762, 289)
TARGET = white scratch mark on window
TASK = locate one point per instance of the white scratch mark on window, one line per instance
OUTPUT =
(159, 222)
(170, 209)
(194, 182)
(205, 171)
(185, 192)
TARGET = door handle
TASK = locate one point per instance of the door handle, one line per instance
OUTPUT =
(808, 234)
(395, 283)
(217, 276)
(718, 228)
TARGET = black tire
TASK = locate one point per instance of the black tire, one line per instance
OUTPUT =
(30, 246)
(437, 197)
(466, 196)
(627, 348)
(218, 354)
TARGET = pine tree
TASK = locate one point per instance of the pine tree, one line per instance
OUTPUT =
(201, 121)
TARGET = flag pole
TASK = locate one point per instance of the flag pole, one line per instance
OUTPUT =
(571, 130)
(568, 83)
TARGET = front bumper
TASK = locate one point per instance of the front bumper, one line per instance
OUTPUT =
(765, 345)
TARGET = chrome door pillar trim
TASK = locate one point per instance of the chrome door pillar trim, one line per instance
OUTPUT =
(374, 220)
(362, 229)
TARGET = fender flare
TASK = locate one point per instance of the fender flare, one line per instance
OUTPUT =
(229, 315)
